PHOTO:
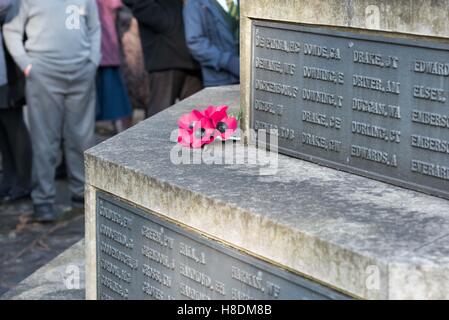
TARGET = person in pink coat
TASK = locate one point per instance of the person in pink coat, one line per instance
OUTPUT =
(113, 103)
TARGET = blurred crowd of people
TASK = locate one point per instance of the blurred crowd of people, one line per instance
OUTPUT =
(76, 62)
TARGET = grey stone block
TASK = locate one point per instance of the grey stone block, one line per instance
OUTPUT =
(366, 238)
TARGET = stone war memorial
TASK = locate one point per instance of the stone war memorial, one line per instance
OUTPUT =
(353, 202)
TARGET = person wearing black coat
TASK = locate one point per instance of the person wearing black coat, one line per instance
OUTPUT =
(173, 73)
(15, 145)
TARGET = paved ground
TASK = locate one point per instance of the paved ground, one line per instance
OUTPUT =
(63, 278)
(27, 246)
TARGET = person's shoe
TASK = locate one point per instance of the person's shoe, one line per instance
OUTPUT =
(44, 213)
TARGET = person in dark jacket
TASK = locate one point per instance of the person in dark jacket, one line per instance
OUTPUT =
(15, 143)
(134, 72)
(173, 73)
(212, 37)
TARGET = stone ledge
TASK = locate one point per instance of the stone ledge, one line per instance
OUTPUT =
(362, 237)
(49, 282)
(423, 17)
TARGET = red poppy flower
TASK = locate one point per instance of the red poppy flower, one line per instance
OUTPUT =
(197, 128)
(224, 124)
(185, 138)
(187, 121)
(198, 134)
(226, 127)
(216, 113)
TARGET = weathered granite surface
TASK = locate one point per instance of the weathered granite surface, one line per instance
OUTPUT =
(420, 17)
(366, 238)
(61, 279)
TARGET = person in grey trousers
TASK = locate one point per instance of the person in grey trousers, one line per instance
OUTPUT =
(15, 145)
(59, 58)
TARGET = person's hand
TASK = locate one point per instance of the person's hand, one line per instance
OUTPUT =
(28, 70)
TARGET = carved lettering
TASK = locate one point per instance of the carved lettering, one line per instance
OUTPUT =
(220, 288)
(236, 294)
(375, 59)
(376, 108)
(430, 119)
(276, 88)
(322, 51)
(114, 286)
(116, 236)
(118, 255)
(115, 217)
(115, 270)
(430, 169)
(156, 275)
(192, 253)
(321, 142)
(275, 66)
(195, 275)
(104, 296)
(432, 144)
(278, 44)
(158, 236)
(321, 119)
(152, 291)
(268, 127)
(274, 290)
(158, 257)
(191, 293)
(374, 155)
(354, 92)
(268, 107)
(432, 67)
(427, 93)
(281, 132)
(253, 280)
(376, 84)
(322, 98)
(376, 132)
(324, 75)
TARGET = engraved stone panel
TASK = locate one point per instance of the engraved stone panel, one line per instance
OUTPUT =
(141, 256)
(374, 106)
